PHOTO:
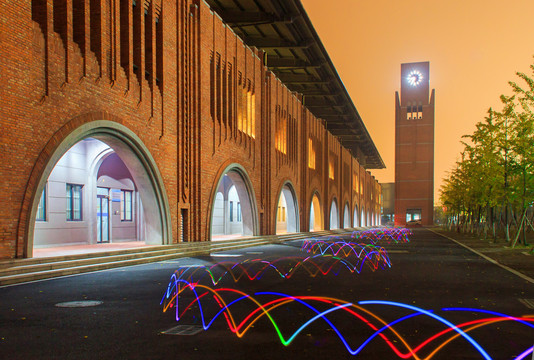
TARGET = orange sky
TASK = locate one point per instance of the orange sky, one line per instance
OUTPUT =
(474, 48)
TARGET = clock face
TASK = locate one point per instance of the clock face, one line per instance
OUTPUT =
(414, 78)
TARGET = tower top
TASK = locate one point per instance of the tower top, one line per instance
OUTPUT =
(415, 83)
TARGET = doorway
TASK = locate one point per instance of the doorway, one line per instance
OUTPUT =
(102, 215)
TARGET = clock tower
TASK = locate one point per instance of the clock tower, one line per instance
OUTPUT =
(414, 146)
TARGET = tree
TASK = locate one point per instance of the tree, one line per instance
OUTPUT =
(493, 184)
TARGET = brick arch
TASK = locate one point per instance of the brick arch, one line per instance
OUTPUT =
(334, 206)
(356, 216)
(287, 184)
(227, 167)
(98, 125)
(315, 194)
(346, 215)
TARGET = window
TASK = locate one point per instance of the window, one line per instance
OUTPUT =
(41, 208)
(246, 109)
(231, 211)
(281, 131)
(126, 205)
(414, 112)
(331, 173)
(413, 215)
(281, 216)
(74, 202)
(311, 154)
(238, 212)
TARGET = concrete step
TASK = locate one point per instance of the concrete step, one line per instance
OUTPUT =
(44, 268)
(104, 258)
(47, 274)
(14, 271)
(10, 262)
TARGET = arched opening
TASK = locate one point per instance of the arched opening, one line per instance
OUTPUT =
(218, 223)
(316, 214)
(234, 211)
(346, 216)
(363, 220)
(334, 215)
(100, 191)
(356, 222)
(287, 217)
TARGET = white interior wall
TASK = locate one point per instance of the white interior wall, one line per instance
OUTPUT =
(334, 216)
(356, 222)
(217, 222)
(281, 226)
(78, 166)
(235, 226)
(346, 217)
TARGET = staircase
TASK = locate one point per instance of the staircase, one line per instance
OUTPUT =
(15, 271)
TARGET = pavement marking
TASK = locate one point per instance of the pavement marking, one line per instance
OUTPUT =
(529, 303)
(255, 252)
(183, 330)
(79, 304)
(397, 251)
(515, 272)
(226, 255)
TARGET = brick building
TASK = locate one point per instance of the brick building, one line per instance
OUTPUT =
(414, 146)
(151, 121)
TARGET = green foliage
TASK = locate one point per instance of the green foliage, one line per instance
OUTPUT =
(494, 180)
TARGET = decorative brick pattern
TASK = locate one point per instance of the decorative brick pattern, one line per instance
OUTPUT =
(148, 69)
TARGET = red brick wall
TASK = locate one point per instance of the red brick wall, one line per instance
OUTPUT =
(53, 83)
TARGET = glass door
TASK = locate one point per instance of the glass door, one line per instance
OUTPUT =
(102, 215)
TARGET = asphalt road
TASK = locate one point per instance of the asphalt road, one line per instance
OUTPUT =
(432, 285)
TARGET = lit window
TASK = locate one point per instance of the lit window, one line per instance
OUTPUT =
(355, 183)
(330, 170)
(281, 133)
(74, 202)
(126, 205)
(246, 111)
(240, 119)
(238, 212)
(41, 208)
(253, 115)
(281, 216)
(311, 154)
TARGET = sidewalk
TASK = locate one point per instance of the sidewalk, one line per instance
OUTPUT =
(517, 258)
